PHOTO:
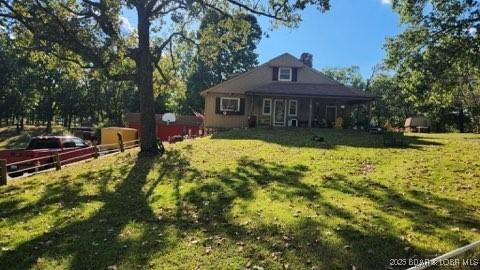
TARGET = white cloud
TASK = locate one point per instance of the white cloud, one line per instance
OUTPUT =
(472, 31)
(386, 2)
(125, 24)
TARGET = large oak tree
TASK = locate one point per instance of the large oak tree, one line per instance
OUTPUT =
(88, 32)
(437, 56)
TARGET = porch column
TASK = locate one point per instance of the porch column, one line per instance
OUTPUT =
(251, 105)
(310, 114)
(369, 112)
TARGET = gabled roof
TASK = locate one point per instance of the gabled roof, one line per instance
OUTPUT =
(310, 89)
(283, 60)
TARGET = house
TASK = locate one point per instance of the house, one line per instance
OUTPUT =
(285, 91)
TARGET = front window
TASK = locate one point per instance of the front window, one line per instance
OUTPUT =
(292, 108)
(44, 143)
(79, 143)
(229, 104)
(267, 106)
(284, 74)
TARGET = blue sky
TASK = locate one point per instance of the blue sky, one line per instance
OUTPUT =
(352, 32)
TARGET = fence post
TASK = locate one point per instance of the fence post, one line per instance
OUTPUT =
(58, 164)
(120, 142)
(95, 149)
(3, 172)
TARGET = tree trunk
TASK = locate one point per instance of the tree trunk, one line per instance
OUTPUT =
(144, 80)
(18, 125)
(48, 130)
(69, 121)
(461, 120)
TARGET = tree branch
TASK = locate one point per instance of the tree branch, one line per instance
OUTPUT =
(274, 16)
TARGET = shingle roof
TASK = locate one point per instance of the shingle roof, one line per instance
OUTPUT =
(285, 60)
(310, 89)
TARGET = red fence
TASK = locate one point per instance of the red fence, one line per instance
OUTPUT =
(59, 159)
(184, 125)
(165, 132)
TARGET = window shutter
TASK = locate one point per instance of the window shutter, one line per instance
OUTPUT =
(242, 107)
(294, 74)
(275, 74)
(217, 106)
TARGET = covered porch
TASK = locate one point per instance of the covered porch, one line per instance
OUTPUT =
(297, 111)
(304, 105)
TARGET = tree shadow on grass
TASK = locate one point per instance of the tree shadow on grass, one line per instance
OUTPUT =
(307, 242)
(423, 209)
(214, 197)
(97, 241)
(366, 241)
(429, 215)
(123, 230)
(301, 137)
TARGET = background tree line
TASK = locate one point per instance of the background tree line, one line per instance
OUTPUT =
(89, 33)
(432, 68)
(37, 88)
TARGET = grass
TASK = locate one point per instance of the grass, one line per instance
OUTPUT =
(9, 138)
(270, 199)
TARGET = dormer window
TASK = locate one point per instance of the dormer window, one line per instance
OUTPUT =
(285, 74)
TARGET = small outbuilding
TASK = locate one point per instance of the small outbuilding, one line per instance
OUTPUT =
(109, 137)
(418, 124)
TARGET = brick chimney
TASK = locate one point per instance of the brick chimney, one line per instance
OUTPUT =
(307, 59)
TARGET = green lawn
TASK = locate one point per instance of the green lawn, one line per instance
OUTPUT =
(270, 199)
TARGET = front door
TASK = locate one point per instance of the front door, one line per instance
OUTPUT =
(279, 112)
(331, 115)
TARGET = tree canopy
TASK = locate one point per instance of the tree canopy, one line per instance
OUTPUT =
(88, 33)
(350, 76)
(436, 57)
(227, 47)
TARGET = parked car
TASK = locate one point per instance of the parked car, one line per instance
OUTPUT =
(86, 133)
(42, 149)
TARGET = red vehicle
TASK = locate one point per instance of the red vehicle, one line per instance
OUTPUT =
(39, 154)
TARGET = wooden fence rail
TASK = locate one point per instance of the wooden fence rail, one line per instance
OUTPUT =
(58, 162)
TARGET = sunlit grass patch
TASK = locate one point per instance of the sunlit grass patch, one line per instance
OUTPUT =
(271, 199)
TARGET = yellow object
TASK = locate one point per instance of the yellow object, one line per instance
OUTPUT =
(388, 126)
(339, 123)
(109, 136)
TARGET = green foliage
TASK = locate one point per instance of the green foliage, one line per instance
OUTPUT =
(350, 76)
(227, 47)
(89, 34)
(436, 57)
(392, 106)
(170, 87)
